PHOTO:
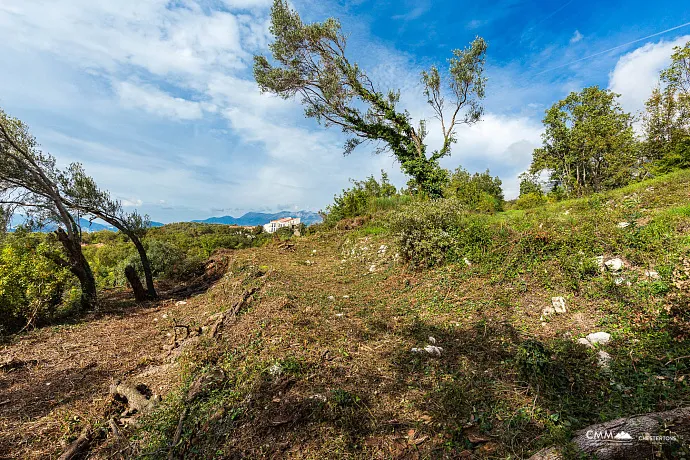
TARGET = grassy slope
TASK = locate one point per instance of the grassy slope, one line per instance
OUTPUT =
(347, 386)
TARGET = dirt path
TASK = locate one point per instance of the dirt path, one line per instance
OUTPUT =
(60, 375)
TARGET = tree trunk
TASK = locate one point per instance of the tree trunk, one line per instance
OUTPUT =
(146, 264)
(140, 294)
(80, 268)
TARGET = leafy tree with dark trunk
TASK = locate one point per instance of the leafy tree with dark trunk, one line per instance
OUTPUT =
(310, 61)
(82, 194)
(666, 121)
(30, 182)
(589, 144)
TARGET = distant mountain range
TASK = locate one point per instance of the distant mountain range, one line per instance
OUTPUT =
(260, 218)
(85, 225)
(249, 219)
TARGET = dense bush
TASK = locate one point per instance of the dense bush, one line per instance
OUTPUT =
(365, 197)
(477, 192)
(31, 286)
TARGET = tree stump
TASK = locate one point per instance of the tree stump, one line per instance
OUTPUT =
(140, 294)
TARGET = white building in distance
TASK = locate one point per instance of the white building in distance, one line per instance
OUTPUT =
(274, 225)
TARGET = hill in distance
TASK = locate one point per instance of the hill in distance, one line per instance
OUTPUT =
(85, 225)
(260, 218)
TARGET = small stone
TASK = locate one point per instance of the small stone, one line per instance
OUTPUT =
(339, 315)
(432, 340)
(313, 251)
(604, 359)
(567, 212)
(548, 311)
(330, 297)
(433, 350)
(558, 304)
(346, 297)
(467, 262)
(372, 269)
(180, 302)
(615, 265)
(651, 274)
(585, 342)
(619, 281)
(623, 224)
(599, 337)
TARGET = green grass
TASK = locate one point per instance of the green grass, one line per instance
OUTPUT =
(508, 382)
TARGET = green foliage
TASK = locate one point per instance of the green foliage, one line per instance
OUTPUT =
(589, 144)
(365, 197)
(477, 192)
(666, 121)
(31, 286)
(310, 61)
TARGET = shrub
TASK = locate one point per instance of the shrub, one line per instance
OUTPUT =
(477, 192)
(31, 286)
(364, 197)
(424, 230)
(530, 200)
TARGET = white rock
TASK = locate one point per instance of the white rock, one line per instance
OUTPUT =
(651, 274)
(599, 337)
(382, 249)
(558, 304)
(619, 281)
(320, 398)
(604, 359)
(313, 251)
(180, 302)
(330, 297)
(346, 297)
(615, 265)
(585, 342)
(339, 315)
(623, 224)
(275, 369)
(548, 311)
(432, 340)
(467, 262)
(429, 349)
(567, 212)
(372, 269)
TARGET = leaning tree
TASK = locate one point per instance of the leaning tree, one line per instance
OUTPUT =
(30, 182)
(83, 195)
(309, 60)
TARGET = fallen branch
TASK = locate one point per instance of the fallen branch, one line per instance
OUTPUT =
(79, 445)
(225, 318)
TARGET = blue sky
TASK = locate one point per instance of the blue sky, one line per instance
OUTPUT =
(156, 97)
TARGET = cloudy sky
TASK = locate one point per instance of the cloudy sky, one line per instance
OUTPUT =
(157, 100)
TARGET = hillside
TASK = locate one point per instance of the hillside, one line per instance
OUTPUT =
(315, 347)
(260, 218)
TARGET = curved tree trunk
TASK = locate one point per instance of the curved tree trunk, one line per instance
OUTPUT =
(79, 266)
(140, 294)
(146, 264)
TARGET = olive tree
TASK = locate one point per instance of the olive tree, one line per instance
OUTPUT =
(31, 182)
(310, 60)
(83, 195)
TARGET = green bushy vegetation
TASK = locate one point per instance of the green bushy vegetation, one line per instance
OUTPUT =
(32, 287)
(364, 198)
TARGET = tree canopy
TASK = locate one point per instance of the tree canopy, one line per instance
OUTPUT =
(588, 143)
(309, 60)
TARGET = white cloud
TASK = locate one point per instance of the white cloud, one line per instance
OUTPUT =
(577, 36)
(637, 73)
(157, 102)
